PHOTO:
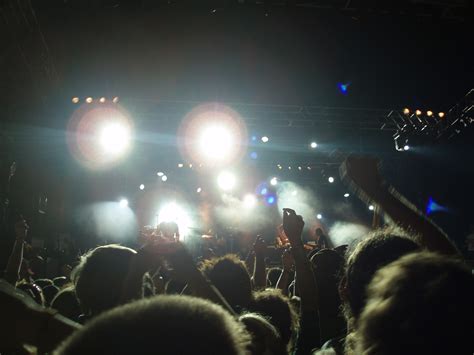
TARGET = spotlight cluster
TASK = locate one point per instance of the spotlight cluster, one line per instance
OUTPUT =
(90, 100)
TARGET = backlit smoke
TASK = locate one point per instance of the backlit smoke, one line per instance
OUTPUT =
(108, 221)
(347, 233)
(303, 201)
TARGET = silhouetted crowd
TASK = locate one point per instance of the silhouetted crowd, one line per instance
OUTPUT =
(402, 289)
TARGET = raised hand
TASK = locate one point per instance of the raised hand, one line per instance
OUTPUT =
(287, 260)
(293, 226)
(260, 245)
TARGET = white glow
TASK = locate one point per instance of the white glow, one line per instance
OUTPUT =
(198, 190)
(273, 181)
(123, 203)
(250, 201)
(172, 212)
(180, 165)
(313, 145)
(164, 178)
(371, 207)
(319, 216)
(331, 179)
(159, 173)
(346, 195)
(114, 138)
(406, 147)
(226, 181)
(265, 139)
(216, 143)
(142, 187)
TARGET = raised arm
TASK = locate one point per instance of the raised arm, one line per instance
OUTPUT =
(288, 266)
(362, 175)
(259, 276)
(12, 270)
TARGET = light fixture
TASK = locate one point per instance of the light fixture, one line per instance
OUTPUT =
(319, 216)
(330, 179)
(313, 145)
(273, 181)
(265, 139)
(142, 187)
(123, 203)
(346, 195)
(371, 207)
(75, 100)
(89, 100)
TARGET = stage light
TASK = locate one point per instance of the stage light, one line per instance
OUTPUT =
(270, 200)
(190, 166)
(346, 195)
(330, 179)
(115, 100)
(123, 203)
(406, 111)
(289, 168)
(102, 100)
(299, 168)
(418, 112)
(172, 212)
(371, 207)
(319, 216)
(198, 190)
(89, 100)
(75, 100)
(313, 145)
(406, 147)
(254, 155)
(294, 193)
(254, 138)
(441, 114)
(265, 139)
(280, 167)
(263, 191)
(250, 201)
(114, 138)
(180, 165)
(309, 168)
(226, 181)
(142, 187)
(164, 178)
(273, 181)
(160, 174)
(429, 113)
(216, 143)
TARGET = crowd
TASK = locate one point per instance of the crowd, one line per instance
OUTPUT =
(403, 289)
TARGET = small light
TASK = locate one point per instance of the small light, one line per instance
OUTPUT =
(123, 203)
(289, 168)
(429, 113)
(198, 190)
(330, 179)
(142, 187)
(441, 114)
(102, 100)
(313, 145)
(271, 200)
(250, 201)
(406, 111)
(299, 168)
(159, 173)
(346, 195)
(263, 191)
(180, 165)
(273, 181)
(190, 166)
(279, 166)
(309, 168)
(319, 216)
(254, 155)
(115, 99)
(418, 112)
(75, 100)
(89, 100)
(406, 147)
(371, 207)
(164, 178)
(265, 139)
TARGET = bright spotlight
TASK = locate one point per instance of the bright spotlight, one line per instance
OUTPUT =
(371, 207)
(114, 138)
(313, 145)
(198, 190)
(279, 167)
(273, 181)
(346, 195)
(406, 111)
(250, 201)
(270, 200)
(330, 179)
(160, 174)
(265, 139)
(216, 143)
(115, 100)
(180, 165)
(142, 187)
(406, 147)
(164, 178)
(319, 216)
(102, 100)
(75, 100)
(418, 112)
(441, 114)
(429, 113)
(123, 203)
(172, 212)
(226, 181)
(89, 100)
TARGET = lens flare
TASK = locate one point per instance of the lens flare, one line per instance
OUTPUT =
(226, 181)
(172, 212)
